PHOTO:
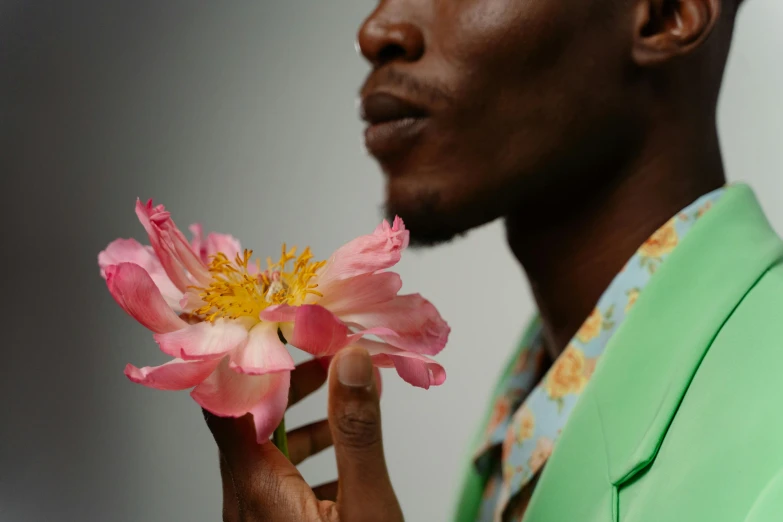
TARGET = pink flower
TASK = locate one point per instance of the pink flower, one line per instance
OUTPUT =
(218, 314)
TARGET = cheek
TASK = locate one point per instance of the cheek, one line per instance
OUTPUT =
(497, 40)
(519, 76)
(450, 177)
(503, 60)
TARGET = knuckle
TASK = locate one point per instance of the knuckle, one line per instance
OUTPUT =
(359, 426)
(327, 511)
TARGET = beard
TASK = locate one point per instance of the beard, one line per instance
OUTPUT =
(432, 222)
(426, 226)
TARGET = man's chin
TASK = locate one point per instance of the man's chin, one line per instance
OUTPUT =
(427, 224)
(423, 234)
(439, 213)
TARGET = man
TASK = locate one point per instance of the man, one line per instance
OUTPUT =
(647, 390)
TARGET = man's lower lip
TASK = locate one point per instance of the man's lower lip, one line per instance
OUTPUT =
(392, 137)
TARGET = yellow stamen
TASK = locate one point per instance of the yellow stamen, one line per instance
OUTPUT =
(237, 291)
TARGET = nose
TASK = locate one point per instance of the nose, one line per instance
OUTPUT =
(382, 40)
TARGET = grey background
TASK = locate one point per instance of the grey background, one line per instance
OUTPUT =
(241, 115)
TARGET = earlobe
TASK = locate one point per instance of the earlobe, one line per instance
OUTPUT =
(665, 29)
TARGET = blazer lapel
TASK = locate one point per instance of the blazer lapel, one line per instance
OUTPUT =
(619, 422)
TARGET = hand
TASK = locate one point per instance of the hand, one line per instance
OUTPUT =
(260, 484)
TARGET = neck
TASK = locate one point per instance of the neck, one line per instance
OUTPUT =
(572, 255)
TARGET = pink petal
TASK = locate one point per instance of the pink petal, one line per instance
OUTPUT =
(131, 251)
(419, 373)
(173, 250)
(227, 393)
(262, 353)
(203, 340)
(134, 290)
(268, 413)
(367, 254)
(174, 375)
(414, 368)
(214, 243)
(197, 242)
(316, 330)
(150, 216)
(127, 251)
(415, 321)
(278, 314)
(171, 236)
(228, 245)
(352, 295)
(191, 301)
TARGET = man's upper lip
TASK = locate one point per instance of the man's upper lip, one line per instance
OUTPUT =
(381, 107)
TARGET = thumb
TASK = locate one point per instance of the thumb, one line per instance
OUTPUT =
(365, 491)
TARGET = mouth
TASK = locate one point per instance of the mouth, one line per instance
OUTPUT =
(393, 124)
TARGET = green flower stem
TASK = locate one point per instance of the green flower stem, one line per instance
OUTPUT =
(280, 439)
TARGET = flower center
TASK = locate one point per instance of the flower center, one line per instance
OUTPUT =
(240, 288)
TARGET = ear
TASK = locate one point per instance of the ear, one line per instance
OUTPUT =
(665, 29)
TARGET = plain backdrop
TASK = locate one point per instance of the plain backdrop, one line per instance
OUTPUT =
(241, 115)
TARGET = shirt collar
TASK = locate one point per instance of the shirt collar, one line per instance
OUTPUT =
(564, 381)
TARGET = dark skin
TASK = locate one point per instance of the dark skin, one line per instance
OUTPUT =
(584, 125)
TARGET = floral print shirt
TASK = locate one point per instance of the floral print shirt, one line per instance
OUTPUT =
(536, 399)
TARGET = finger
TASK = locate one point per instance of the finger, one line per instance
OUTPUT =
(308, 440)
(378, 381)
(266, 485)
(326, 491)
(355, 419)
(233, 436)
(305, 379)
(230, 505)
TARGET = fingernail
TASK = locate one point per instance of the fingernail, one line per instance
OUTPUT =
(354, 368)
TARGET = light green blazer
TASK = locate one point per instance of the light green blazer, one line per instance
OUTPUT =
(683, 418)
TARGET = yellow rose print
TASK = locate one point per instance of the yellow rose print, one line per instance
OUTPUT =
(567, 374)
(661, 242)
(509, 470)
(633, 295)
(499, 413)
(591, 327)
(522, 362)
(543, 450)
(527, 423)
(703, 209)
